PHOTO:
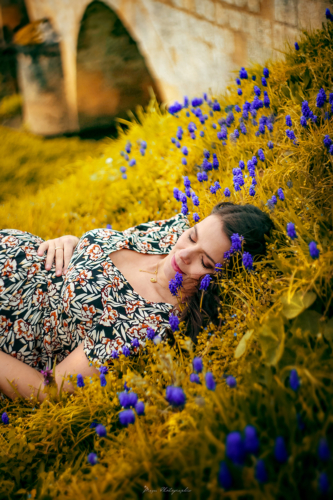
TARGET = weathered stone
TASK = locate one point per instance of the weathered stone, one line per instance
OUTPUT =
(286, 11)
(254, 5)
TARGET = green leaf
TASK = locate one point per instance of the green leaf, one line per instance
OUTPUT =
(241, 348)
(271, 338)
(297, 303)
(308, 321)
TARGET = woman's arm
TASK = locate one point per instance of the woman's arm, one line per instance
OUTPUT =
(28, 380)
(65, 247)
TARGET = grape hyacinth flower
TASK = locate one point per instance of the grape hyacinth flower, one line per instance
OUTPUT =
(231, 381)
(197, 101)
(128, 147)
(254, 77)
(135, 343)
(196, 217)
(195, 201)
(100, 430)
(226, 192)
(197, 364)
(140, 408)
(327, 141)
(176, 283)
(185, 151)
(294, 381)
(236, 242)
(306, 111)
(323, 482)
(281, 194)
(288, 121)
(290, 134)
(251, 440)
(303, 121)
(237, 109)
(243, 128)
(243, 73)
(184, 162)
(224, 476)
(274, 199)
(270, 145)
(194, 377)
(261, 155)
(239, 92)
(331, 150)
(150, 333)
(235, 448)
(127, 417)
(252, 191)
(263, 81)
(204, 176)
(205, 282)
(241, 164)
(314, 251)
(260, 472)
(174, 322)
(266, 100)
(175, 395)
(328, 15)
(238, 81)
(247, 261)
(296, 46)
(102, 380)
(215, 162)
(126, 351)
(266, 72)
(132, 162)
(291, 232)
(80, 382)
(257, 90)
(175, 108)
(184, 209)
(324, 452)
(187, 182)
(4, 418)
(280, 450)
(92, 458)
(210, 381)
(321, 98)
(216, 106)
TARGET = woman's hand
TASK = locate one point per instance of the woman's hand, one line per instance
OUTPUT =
(59, 250)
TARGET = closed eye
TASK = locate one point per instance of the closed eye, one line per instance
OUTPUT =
(202, 262)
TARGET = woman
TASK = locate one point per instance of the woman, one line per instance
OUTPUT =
(116, 287)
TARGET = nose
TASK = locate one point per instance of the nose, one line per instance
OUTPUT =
(185, 255)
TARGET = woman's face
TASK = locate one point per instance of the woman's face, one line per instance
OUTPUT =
(198, 249)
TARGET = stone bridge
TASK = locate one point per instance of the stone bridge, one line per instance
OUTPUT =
(112, 52)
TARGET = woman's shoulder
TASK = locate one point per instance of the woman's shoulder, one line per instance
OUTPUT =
(178, 222)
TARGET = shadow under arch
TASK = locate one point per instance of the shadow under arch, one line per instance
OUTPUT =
(112, 76)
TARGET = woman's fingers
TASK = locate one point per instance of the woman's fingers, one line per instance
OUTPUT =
(42, 247)
(59, 260)
(68, 252)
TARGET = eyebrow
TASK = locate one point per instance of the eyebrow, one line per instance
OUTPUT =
(196, 235)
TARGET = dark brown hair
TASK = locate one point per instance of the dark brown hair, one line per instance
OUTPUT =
(245, 220)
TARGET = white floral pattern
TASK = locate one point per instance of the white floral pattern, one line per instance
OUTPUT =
(43, 315)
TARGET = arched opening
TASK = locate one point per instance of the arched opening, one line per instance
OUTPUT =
(112, 76)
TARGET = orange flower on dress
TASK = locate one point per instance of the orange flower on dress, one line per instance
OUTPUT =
(30, 252)
(83, 277)
(154, 320)
(51, 288)
(5, 325)
(132, 305)
(105, 234)
(94, 252)
(2, 286)
(167, 240)
(117, 284)
(38, 298)
(9, 241)
(23, 329)
(105, 294)
(138, 331)
(88, 311)
(9, 268)
(16, 300)
(109, 316)
(35, 268)
(113, 344)
(144, 246)
(84, 243)
(122, 244)
(68, 296)
(107, 269)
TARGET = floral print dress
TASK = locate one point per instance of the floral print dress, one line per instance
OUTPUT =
(43, 315)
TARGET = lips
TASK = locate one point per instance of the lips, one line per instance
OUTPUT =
(174, 265)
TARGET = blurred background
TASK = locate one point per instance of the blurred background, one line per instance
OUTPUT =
(69, 67)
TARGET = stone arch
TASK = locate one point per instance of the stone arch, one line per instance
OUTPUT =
(112, 76)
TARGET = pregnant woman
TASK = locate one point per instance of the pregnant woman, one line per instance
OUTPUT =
(116, 286)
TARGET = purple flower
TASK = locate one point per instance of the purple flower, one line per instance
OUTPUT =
(143, 144)
(261, 155)
(184, 209)
(173, 140)
(288, 121)
(216, 106)
(123, 169)
(175, 395)
(132, 398)
(176, 283)
(270, 145)
(237, 109)
(210, 381)
(306, 111)
(150, 333)
(124, 176)
(296, 46)
(257, 90)
(274, 199)
(100, 430)
(196, 217)
(191, 127)
(197, 364)
(236, 133)
(290, 134)
(102, 380)
(328, 15)
(236, 242)
(238, 81)
(281, 194)
(321, 98)
(206, 153)
(303, 121)
(128, 147)
(114, 354)
(331, 150)
(140, 408)
(174, 322)
(177, 144)
(231, 381)
(195, 201)
(314, 251)
(132, 163)
(127, 417)
(254, 160)
(126, 351)
(176, 193)
(212, 189)
(135, 343)
(324, 453)
(247, 260)
(266, 100)
(205, 282)
(175, 108)
(224, 476)
(93, 424)
(204, 176)
(92, 458)
(226, 192)
(266, 72)
(194, 377)
(327, 141)
(243, 128)
(243, 73)
(260, 472)
(263, 81)
(291, 232)
(252, 191)
(215, 163)
(4, 418)
(323, 482)
(184, 162)
(280, 450)
(217, 185)
(193, 136)
(142, 151)
(294, 380)
(239, 91)
(235, 448)
(187, 182)
(251, 441)
(185, 151)
(199, 177)
(80, 382)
